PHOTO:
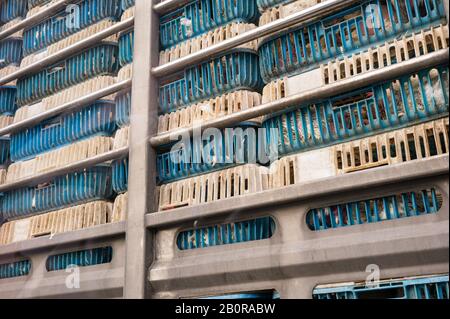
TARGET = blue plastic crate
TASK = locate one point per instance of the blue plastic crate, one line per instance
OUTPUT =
(433, 287)
(15, 269)
(226, 150)
(200, 16)
(12, 9)
(8, 100)
(409, 204)
(96, 119)
(63, 191)
(345, 33)
(80, 258)
(4, 151)
(263, 5)
(127, 4)
(120, 175)
(230, 72)
(126, 46)
(226, 234)
(123, 107)
(56, 28)
(364, 112)
(10, 52)
(96, 61)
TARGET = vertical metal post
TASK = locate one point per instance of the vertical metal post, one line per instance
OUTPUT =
(142, 161)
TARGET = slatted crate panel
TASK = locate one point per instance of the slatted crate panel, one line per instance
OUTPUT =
(96, 119)
(11, 10)
(406, 47)
(433, 287)
(223, 105)
(15, 269)
(59, 157)
(273, 10)
(8, 100)
(120, 175)
(200, 16)
(57, 28)
(2, 177)
(57, 222)
(120, 208)
(227, 148)
(226, 234)
(343, 34)
(68, 95)
(4, 151)
(206, 40)
(263, 5)
(417, 142)
(80, 258)
(399, 50)
(224, 74)
(121, 137)
(410, 99)
(96, 61)
(10, 54)
(227, 183)
(76, 188)
(37, 3)
(123, 107)
(126, 4)
(396, 206)
(5, 120)
(126, 46)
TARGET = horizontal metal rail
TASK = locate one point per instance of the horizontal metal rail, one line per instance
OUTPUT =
(329, 90)
(70, 106)
(164, 6)
(69, 168)
(36, 18)
(303, 16)
(372, 178)
(69, 51)
(82, 235)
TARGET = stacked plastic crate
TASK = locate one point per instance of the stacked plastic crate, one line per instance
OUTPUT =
(395, 121)
(123, 106)
(11, 12)
(218, 165)
(75, 200)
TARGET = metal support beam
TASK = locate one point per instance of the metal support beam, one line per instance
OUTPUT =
(347, 85)
(142, 179)
(301, 17)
